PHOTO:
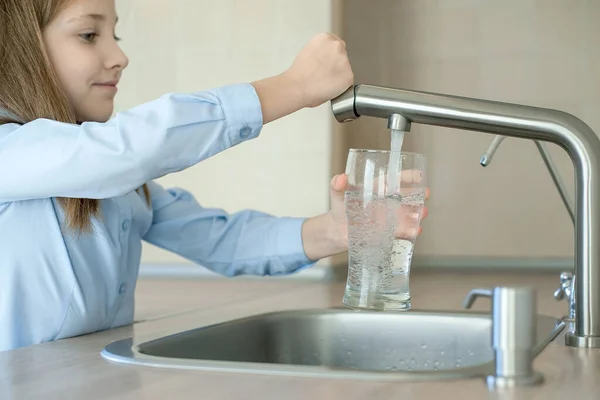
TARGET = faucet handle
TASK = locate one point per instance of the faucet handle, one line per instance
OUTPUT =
(567, 291)
(474, 294)
(566, 278)
(566, 281)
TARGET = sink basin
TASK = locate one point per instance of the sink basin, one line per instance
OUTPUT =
(334, 343)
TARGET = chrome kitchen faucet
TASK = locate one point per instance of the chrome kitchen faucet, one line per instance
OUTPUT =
(540, 124)
(566, 289)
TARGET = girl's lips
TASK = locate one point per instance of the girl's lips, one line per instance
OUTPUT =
(107, 85)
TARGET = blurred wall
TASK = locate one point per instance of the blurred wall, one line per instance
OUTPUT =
(542, 53)
(190, 45)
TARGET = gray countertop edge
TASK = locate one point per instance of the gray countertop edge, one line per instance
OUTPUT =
(326, 272)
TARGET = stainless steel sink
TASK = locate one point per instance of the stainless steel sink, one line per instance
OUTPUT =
(334, 343)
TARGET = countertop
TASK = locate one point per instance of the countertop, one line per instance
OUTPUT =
(73, 368)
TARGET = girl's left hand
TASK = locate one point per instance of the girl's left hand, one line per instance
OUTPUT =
(327, 234)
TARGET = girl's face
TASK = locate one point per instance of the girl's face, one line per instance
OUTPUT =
(83, 49)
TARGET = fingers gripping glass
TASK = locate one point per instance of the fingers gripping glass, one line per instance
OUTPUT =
(384, 203)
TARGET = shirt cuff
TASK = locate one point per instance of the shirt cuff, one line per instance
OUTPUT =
(242, 110)
(289, 245)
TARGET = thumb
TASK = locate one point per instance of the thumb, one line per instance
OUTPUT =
(338, 184)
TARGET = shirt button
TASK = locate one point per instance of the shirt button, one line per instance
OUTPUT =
(245, 132)
(126, 224)
(122, 288)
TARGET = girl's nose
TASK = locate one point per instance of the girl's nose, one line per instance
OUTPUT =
(117, 58)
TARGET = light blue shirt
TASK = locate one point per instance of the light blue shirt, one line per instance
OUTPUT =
(54, 284)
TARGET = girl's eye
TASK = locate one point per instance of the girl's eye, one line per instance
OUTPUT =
(88, 37)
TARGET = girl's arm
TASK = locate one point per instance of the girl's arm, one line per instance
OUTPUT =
(247, 242)
(46, 158)
(320, 72)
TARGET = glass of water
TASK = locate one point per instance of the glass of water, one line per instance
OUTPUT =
(384, 203)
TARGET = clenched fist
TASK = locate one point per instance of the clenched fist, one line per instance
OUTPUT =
(322, 69)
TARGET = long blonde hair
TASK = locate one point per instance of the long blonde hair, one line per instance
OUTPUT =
(29, 86)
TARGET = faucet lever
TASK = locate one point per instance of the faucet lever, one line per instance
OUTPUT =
(564, 290)
(567, 291)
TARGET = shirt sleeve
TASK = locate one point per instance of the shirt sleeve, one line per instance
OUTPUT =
(247, 242)
(46, 158)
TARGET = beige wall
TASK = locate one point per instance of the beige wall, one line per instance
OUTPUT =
(200, 44)
(543, 53)
(532, 52)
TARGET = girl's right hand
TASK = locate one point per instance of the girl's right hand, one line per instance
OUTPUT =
(319, 73)
(321, 70)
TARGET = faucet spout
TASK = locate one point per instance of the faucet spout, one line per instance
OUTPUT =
(486, 159)
(567, 131)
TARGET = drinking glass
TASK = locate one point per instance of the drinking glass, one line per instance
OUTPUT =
(384, 202)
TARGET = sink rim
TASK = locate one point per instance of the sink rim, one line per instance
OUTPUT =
(127, 351)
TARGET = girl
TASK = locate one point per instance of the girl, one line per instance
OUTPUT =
(77, 195)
